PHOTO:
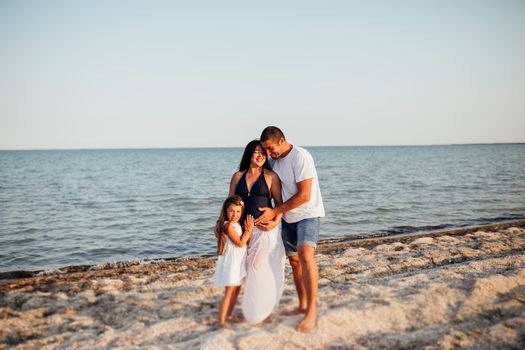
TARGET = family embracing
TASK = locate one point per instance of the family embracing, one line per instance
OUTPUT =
(255, 233)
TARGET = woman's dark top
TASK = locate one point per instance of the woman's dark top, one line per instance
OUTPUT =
(259, 195)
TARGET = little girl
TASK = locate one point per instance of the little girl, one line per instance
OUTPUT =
(231, 248)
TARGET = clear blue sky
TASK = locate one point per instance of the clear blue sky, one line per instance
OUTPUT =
(104, 74)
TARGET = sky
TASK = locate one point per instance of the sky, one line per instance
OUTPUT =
(159, 74)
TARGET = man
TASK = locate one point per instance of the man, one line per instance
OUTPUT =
(302, 209)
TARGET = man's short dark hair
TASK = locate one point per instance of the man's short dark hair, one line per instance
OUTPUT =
(272, 133)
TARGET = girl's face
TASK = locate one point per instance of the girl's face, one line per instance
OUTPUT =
(234, 213)
(258, 156)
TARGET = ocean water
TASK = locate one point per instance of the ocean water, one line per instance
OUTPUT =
(61, 208)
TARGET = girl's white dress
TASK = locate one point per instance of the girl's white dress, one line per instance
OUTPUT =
(231, 267)
(265, 275)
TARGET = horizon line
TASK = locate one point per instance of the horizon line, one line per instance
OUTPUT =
(218, 147)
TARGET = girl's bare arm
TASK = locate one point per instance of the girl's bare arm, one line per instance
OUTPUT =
(232, 234)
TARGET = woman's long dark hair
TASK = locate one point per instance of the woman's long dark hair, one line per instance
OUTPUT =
(247, 155)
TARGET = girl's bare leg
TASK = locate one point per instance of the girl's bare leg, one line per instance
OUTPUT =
(225, 305)
(233, 301)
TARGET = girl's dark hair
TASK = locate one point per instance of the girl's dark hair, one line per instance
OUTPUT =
(247, 155)
(221, 238)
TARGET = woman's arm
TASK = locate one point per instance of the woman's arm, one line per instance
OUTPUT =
(233, 182)
(275, 189)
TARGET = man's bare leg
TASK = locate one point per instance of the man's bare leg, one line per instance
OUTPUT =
(310, 278)
(299, 286)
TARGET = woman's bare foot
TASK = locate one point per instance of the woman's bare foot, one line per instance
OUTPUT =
(268, 319)
(294, 312)
(307, 323)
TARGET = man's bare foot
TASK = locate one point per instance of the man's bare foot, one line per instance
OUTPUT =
(294, 312)
(307, 324)
(224, 325)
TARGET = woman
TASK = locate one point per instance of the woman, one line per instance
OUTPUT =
(257, 185)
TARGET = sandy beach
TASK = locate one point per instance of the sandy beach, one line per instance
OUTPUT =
(463, 288)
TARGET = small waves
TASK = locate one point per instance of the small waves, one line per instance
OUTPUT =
(397, 230)
(387, 210)
(26, 231)
(86, 207)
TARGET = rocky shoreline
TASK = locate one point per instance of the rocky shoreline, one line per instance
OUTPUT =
(439, 290)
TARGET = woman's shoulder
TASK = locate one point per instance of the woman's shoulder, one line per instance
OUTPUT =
(236, 177)
(237, 174)
(271, 174)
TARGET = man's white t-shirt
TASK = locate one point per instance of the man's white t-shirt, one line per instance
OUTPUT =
(296, 166)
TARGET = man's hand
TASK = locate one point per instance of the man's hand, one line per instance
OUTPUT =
(270, 225)
(267, 215)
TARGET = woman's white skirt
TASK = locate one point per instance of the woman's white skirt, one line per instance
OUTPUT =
(265, 274)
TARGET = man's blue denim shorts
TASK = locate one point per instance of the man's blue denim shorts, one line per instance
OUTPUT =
(304, 232)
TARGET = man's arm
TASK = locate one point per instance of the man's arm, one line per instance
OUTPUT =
(304, 189)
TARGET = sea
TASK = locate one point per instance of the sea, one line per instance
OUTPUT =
(63, 208)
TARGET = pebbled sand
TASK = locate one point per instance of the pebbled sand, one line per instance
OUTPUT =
(442, 290)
